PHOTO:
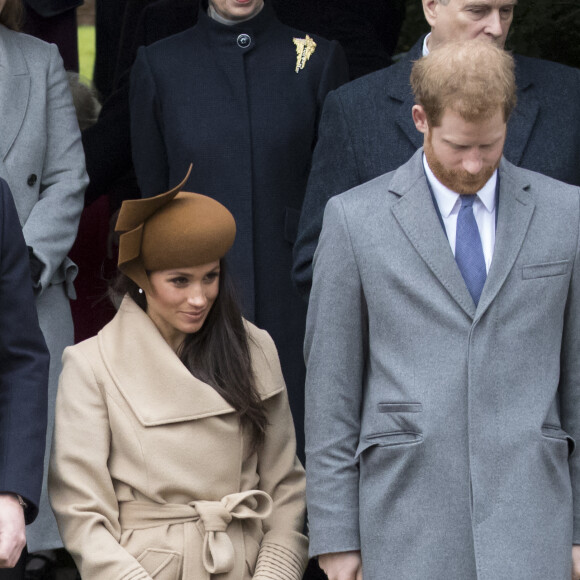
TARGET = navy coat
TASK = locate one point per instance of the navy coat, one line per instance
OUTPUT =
(23, 366)
(367, 130)
(248, 122)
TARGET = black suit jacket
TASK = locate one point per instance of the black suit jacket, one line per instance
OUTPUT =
(23, 366)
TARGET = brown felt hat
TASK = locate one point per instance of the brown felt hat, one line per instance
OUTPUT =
(176, 229)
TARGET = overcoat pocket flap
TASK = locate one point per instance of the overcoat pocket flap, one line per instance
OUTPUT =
(156, 561)
(555, 432)
(545, 270)
(388, 440)
(400, 407)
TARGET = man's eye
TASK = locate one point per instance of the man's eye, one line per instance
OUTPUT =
(507, 12)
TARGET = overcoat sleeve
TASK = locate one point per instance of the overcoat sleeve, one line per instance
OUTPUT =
(283, 552)
(569, 387)
(147, 140)
(334, 348)
(51, 227)
(23, 366)
(334, 170)
(79, 483)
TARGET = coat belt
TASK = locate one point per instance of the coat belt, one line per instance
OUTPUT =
(214, 517)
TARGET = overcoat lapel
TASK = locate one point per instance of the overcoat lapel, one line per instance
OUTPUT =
(400, 90)
(417, 217)
(515, 211)
(14, 88)
(149, 375)
(522, 120)
(154, 382)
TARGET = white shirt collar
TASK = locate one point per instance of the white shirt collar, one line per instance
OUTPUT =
(425, 49)
(447, 199)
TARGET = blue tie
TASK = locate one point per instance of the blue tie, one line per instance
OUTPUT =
(468, 249)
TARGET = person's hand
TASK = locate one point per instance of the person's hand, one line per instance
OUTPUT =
(342, 565)
(12, 530)
(575, 562)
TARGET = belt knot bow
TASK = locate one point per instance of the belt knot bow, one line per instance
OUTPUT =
(215, 516)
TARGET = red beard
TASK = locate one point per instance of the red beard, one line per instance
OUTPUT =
(457, 180)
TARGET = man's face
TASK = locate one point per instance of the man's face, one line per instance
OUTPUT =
(462, 154)
(468, 19)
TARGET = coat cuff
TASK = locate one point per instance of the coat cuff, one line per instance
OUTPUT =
(276, 562)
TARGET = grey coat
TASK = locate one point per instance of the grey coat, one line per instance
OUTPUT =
(439, 434)
(42, 160)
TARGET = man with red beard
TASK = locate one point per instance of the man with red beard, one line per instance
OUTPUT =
(442, 341)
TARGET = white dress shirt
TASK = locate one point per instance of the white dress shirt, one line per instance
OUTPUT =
(449, 203)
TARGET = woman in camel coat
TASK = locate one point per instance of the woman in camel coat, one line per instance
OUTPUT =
(160, 472)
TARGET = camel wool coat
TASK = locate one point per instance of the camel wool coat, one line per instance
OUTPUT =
(151, 474)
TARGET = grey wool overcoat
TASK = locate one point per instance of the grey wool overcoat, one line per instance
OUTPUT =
(439, 434)
(42, 159)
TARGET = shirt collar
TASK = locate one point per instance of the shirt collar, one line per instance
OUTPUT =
(425, 49)
(447, 199)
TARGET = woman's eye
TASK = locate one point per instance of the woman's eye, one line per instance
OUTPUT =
(179, 281)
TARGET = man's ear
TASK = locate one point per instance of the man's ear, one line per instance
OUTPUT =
(420, 119)
(430, 11)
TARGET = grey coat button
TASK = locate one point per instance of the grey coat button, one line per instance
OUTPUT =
(244, 40)
(32, 179)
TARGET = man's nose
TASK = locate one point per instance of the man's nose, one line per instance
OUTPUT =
(493, 25)
(472, 162)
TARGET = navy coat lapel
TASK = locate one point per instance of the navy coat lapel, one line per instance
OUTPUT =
(400, 91)
(515, 211)
(523, 119)
(418, 218)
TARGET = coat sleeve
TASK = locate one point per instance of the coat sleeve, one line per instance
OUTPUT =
(80, 488)
(335, 345)
(569, 386)
(284, 548)
(51, 227)
(23, 366)
(333, 171)
(147, 139)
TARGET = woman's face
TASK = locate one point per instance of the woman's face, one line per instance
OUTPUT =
(181, 299)
(237, 9)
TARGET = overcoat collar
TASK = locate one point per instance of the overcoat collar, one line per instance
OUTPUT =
(14, 87)
(417, 216)
(521, 122)
(154, 382)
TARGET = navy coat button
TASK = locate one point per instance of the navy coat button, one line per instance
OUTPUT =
(244, 40)
(32, 179)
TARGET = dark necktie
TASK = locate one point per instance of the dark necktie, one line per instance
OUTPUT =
(468, 249)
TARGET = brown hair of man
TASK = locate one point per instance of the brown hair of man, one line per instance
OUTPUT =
(12, 15)
(473, 78)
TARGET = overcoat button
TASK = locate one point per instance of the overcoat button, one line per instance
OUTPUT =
(32, 179)
(244, 40)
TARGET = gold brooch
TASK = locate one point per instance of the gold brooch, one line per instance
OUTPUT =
(305, 48)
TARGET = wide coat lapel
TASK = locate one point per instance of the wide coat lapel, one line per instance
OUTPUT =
(416, 214)
(149, 375)
(14, 88)
(154, 382)
(516, 207)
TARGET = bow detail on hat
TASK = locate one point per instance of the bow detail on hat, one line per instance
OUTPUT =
(215, 516)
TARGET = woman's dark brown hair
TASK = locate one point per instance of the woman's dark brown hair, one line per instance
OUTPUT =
(218, 354)
(12, 14)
